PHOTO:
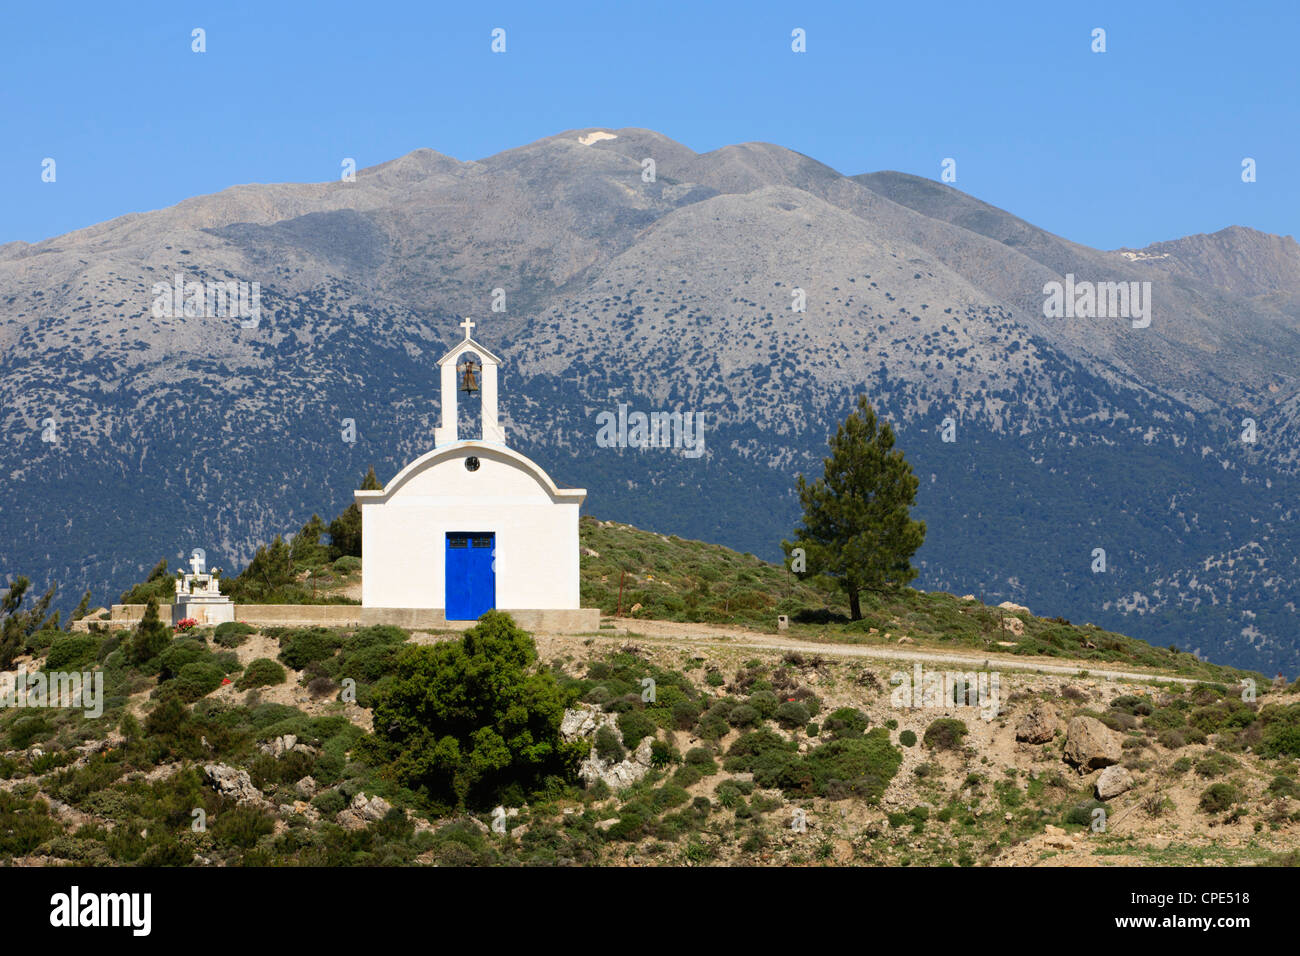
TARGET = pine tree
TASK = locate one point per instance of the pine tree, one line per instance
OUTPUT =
(82, 607)
(15, 625)
(857, 526)
(151, 636)
(345, 530)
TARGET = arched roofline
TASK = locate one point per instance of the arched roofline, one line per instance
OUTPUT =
(468, 345)
(457, 450)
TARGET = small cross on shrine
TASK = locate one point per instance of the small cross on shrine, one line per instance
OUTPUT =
(467, 325)
(197, 563)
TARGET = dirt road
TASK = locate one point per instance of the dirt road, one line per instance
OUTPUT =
(732, 637)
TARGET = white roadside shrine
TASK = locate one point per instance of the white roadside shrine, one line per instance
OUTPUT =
(471, 525)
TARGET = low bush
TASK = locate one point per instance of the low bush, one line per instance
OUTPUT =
(845, 722)
(232, 633)
(607, 745)
(946, 733)
(262, 672)
(71, 651)
(1219, 797)
(791, 714)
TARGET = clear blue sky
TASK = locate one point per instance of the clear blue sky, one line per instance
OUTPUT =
(1138, 144)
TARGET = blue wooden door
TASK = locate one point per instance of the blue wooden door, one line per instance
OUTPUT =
(471, 580)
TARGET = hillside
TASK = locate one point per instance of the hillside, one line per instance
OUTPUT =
(174, 433)
(739, 755)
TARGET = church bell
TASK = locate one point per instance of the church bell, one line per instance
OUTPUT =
(469, 380)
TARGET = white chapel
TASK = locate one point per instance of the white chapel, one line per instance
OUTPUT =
(472, 525)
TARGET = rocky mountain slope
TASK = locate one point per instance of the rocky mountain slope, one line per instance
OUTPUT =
(676, 294)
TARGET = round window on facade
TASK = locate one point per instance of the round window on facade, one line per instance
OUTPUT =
(471, 464)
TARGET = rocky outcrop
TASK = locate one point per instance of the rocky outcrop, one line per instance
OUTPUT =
(1112, 782)
(286, 744)
(582, 723)
(1090, 744)
(362, 812)
(234, 783)
(1039, 725)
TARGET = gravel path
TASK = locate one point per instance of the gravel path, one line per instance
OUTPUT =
(741, 637)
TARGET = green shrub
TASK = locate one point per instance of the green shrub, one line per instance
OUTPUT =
(348, 564)
(845, 722)
(1219, 797)
(1281, 731)
(743, 716)
(1081, 813)
(765, 702)
(41, 640)
(946, 733)
(668, 796)
(303, 647)
(852, 767)
(1132, 704)
(71, 651)
(241, 826)
(907, 738)
(1284, 786)
(791, 714)
(1215, 764)
(663, 754)
(1166, 718)
(688, 775)
(712, 725)
(608, 746)
(329, 802)
(701, 757)
(232, 633)
(635, 725)
(197, 680)
(262, 672)
(685, 714)
(180, 652)
(376, 634)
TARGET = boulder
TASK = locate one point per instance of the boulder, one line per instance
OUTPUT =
(234, 783)
(1014, 625)
(1090, 744)
(306, 788)
(286, 744)
(1008, 606)
(362, 812)
(376, 808)
(1039, 725)
(1112, 782)
(582, 721)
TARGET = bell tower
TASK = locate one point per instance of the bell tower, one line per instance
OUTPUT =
(445, 434)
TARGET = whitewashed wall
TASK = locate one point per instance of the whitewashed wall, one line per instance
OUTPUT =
(404, 529)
